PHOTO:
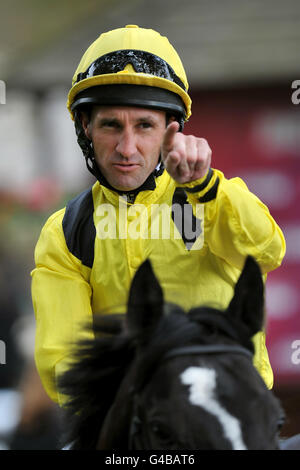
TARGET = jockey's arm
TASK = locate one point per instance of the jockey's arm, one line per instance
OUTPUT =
(236, 222)
(62, 302)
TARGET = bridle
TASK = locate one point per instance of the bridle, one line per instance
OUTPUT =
(208, 349)
(135, 425)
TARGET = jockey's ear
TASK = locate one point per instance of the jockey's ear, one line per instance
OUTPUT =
(247, 304)
(85, 114)
(145, 304)
(85, 119)
(170, 118)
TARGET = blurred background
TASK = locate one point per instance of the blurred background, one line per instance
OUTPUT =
(241, 59)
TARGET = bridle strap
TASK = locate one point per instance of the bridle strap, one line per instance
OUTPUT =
(208, 349)
(134, 427)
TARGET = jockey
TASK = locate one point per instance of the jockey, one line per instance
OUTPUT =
(156, 196)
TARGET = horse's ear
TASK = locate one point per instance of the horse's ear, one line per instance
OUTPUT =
(145, 304)
(247, 304)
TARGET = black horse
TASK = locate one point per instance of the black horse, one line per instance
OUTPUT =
(160, 378)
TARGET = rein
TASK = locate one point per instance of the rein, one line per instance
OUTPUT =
(184, 351)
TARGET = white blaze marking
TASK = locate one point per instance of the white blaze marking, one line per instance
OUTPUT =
(202, 383)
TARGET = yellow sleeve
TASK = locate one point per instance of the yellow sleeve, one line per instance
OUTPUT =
(61, 298)
(237, 223)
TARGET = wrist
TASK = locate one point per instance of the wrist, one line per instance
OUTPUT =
(203, 189)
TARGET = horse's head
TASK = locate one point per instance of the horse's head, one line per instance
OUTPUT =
(193, 384)
(164, 379)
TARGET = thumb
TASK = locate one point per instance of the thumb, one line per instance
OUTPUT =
(168, 139)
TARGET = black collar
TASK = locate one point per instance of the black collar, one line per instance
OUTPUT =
(148, 185)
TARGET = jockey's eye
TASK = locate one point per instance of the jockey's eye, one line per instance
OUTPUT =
(145, 125)
(110, 124)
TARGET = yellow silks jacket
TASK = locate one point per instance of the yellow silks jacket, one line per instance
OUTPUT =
(88, 253)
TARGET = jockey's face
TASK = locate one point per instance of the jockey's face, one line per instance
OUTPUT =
(126, 142)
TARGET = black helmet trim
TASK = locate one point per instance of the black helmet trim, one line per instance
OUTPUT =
(131, 95)
(141, 61)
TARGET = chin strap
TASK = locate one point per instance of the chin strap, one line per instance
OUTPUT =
(86, 146)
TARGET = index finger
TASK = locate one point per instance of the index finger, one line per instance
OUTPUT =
(170, 133)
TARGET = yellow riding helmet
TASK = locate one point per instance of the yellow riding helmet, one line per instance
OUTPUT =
(127, 57)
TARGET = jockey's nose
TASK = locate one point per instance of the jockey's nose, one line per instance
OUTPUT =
(127, 144)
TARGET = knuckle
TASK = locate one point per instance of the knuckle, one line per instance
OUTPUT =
(192, 160)
(204, 144)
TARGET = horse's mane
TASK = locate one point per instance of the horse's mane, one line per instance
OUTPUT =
(89, 387)
(100, 365)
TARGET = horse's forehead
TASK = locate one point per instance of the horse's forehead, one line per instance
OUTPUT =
(202, 382)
